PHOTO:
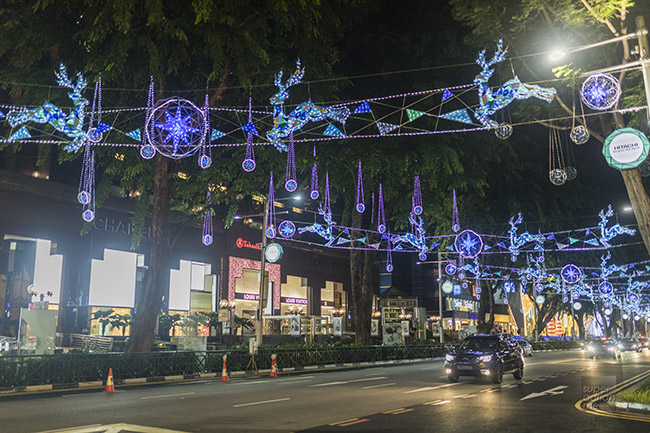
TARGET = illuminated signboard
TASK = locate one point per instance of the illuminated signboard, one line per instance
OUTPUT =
(297, 301)
(243, 243)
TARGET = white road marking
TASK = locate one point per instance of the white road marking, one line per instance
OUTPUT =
(250, 382)
(430, 388)
(167, 395)
(378, 386)
(348, 381)
(553, 391)
(261, 402)
(441, 402)
(373, 374)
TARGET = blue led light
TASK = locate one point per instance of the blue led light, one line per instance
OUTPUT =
(205, 161)
(207, 240)
(389, 267)
(248, 165)
(600, 91)
(83, 197)
(417, 210)
(361, 207)
(88, 215)
(422, 256)
(270, 232)
(178, 128)
(287, 229)
(291, 185)
(571, 274)
(468, 244)
(381, 228)
(314, 195)
(450, 268)
(147, 151)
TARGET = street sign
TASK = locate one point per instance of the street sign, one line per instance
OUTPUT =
(553, 391)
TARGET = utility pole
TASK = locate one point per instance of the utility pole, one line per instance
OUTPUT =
(644, 58)
(260, 308)
(442, 333)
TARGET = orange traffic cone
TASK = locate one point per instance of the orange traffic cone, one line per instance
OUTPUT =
(224, 372)
(274, 366)
(109, 381)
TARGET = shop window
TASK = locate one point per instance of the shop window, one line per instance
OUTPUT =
(190, 276)
(47, 272)
(112, 280)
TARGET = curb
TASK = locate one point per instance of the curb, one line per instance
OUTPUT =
(34, 389)
(630, 405)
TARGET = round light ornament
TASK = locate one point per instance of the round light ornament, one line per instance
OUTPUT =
(468, 244)
(579, 134)
(557, 176)
(577, 306)
(361, 207)
(175, 127)
(571, 173)
(540, 299)
(503, 131)
(88, 215)
(605, 288)
(600, 91)
(571, 274)
(447, 287)
(205, 161)
(207, 240)
(417, 209)
(287, 229)
(83, 197)
(389, 267)
(147, 151)
(314, 194)
(291, 185)
(248, 165)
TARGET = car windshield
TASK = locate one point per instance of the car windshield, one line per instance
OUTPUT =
(478, 345)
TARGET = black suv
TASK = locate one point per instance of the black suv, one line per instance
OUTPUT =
(485, 355)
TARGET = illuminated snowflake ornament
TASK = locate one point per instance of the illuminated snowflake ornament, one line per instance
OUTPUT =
(571, 274)
(287, 229)
(468, 244)
(600, 91)
(147, 151)
(450, 268)
(175, 127)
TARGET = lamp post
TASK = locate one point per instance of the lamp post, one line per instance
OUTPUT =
(230, 305)
(260, 307)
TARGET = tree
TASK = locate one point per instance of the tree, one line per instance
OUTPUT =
(166, 322)
(104, 317)
(121, 321)
(529, 26)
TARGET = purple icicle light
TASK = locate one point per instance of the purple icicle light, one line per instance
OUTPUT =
(455, 221)
(208, 234)
(417, 197)
(248, 164)
(328, 207)
(389, 257)
(381, 217)
(270, 212)
(290, 182)
(205, 154)
(372, 210)
(314, 194)
(86, 195)
(360, 199)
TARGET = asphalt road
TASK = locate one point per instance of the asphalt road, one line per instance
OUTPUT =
(404, 398)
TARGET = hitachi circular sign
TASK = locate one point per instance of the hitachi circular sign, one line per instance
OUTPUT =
(626, 148)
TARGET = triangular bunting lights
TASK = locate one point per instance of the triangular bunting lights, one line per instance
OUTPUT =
(250, 128)
(458, 116)
(363, 108)
(593, 242)
(340, 241)
(385, 128)
(102, 127)
(135, 134)
(20, 134)
(413, 114)
(572, 240)
(446, 94)
(215, 135)
(333, 131)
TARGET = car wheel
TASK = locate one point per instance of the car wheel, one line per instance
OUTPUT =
(453, 378)
(497, 376)
(519, 373)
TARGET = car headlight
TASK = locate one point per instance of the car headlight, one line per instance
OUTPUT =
(449, 358)
(485, 358)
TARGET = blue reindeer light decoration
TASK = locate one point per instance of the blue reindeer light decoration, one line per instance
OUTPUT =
(284, 125)
(70, 124)
(517, 242)
(323, 231)
(416, 237)
(607, 234)
(491, 102)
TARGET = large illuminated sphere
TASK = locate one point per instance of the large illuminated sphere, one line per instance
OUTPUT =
(287, 229)
(88, 215)
(557, 176)
(314, 194)
(579, 134)
(571, 274)
(389, 267)
(450, 269)
(600, 91)
(147, 151)
(175, 127)
(291, 185)
(468, 244)
(207, 240)
(361, 207)
(417, 210)
(422, 256)
(270, 232)
(83, 197)
(205, 161)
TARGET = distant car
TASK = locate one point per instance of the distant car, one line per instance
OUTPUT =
(603, 348)
(526, 347)
(485, 356)
(629, 345)
(643, 342)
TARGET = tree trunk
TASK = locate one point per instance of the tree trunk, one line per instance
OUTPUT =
(360, 287)
(640, 203)
(157, 278)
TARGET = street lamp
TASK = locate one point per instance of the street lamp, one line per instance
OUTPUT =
(439, 262)
(230, 305)
(260, 308)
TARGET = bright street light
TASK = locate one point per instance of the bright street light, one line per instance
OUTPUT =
(627, 209)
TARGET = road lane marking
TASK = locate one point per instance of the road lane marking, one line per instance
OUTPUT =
(553, 391)
(374, 374)
(345, 421)
(491, 390)
(252, 381)
(402, 411)
(460, 396)
(441, 402)
(393, 410)
(261, 402)
(379, 386)
(430, 388)
(284, 382)
(354, 422)
(167, 395)
(348, 381)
